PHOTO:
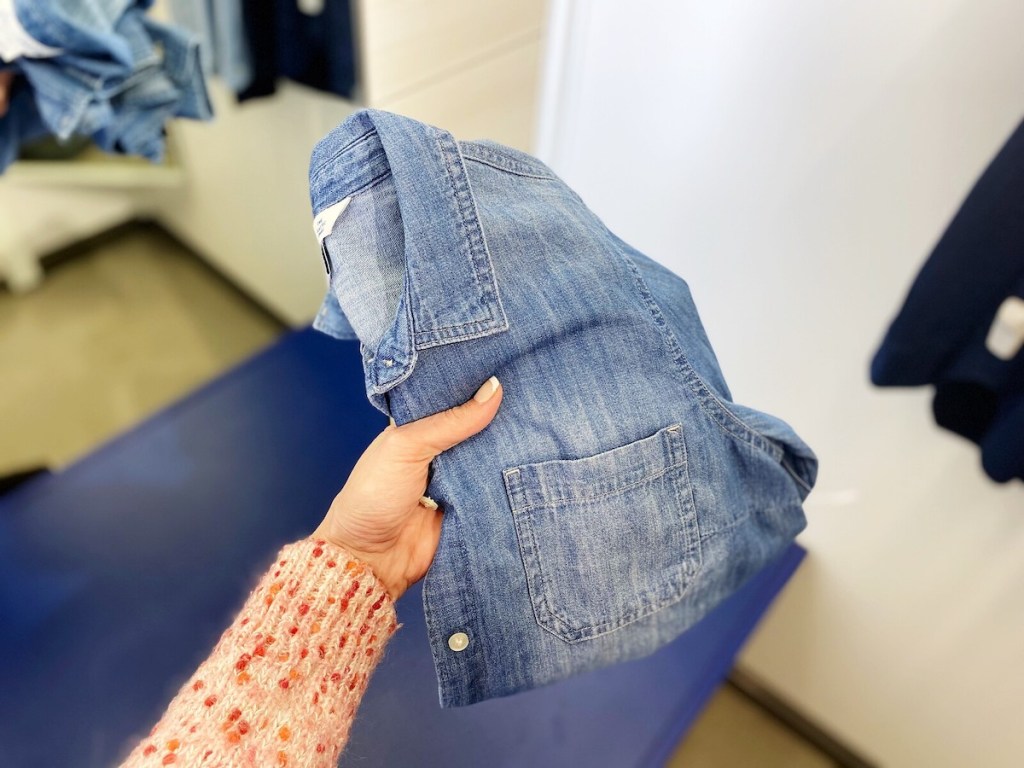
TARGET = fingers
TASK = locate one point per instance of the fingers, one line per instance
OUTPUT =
(437, 433)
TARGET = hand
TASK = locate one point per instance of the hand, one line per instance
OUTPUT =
(377, 516)
(6, 78)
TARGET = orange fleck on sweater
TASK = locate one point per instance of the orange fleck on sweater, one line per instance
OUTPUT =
(246, 706)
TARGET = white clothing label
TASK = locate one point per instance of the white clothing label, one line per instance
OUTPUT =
(15, 41)
(1006, 336)
(323, 224)
(311, 7)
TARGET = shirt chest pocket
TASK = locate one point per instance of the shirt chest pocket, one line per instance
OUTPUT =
(609, 538)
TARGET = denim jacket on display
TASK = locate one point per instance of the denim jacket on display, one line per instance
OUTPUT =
(619, 494)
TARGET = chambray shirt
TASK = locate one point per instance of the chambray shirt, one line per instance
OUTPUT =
(619, 494)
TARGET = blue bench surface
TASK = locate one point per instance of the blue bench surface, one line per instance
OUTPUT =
(118, 574)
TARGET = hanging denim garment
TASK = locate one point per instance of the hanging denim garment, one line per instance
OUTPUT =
(109, 72)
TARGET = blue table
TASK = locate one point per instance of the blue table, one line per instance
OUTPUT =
(118, 574)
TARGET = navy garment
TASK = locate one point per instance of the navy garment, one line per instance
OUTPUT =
(317, 51)
(22, 123)
(939, 335)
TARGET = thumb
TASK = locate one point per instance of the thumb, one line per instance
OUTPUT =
(438, 432)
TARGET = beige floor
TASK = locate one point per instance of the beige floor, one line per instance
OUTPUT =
(734, 733)
(133, 325)
(109, 338)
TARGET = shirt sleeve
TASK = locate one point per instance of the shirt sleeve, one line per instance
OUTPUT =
(283, 683)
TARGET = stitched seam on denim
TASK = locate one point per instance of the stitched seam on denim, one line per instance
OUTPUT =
(728, 526)
(448, 331)
(537, 591)
(568, 633)
(669, 437)
(434, 633)
(472, 232)
(432, 339)
(695, 545)
(498, 166)
(542, 608)
(677, 589)
(746, 432)
(367, 186)
(563, 500)
(504, 161)
(463, 227)
(536, 580)
(491, 285)
(465, 599)
(483, 271)
(371, 183)
(466, 595)
(711, 404)
(378, 388)
(793, 473)
(327, 164)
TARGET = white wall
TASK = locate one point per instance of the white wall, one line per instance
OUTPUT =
(245, 203)
(795, 161)
(245, 207)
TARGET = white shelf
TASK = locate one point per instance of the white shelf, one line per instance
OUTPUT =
(93, 167)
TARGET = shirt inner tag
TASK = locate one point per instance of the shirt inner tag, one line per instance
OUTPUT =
(323, 225)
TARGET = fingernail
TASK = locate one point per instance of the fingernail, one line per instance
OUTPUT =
(487, 390)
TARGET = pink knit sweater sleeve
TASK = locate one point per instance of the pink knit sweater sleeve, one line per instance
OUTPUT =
(282, 685)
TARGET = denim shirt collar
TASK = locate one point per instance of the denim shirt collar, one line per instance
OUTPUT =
(450, 293)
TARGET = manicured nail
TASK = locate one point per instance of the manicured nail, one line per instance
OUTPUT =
(486, 390)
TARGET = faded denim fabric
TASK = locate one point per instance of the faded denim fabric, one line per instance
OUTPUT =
(21, 124)
(220, 28)
(619, 494)
(119, 78)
